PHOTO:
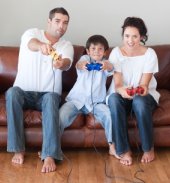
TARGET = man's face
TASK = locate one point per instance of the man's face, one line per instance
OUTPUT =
(58, 25)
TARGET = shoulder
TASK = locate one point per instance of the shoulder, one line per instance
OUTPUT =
(151, 52)
(64, 42)
(33, 30)
(85, 57)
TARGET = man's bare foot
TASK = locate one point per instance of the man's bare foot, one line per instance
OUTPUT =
(18, 158)
(148, 156)
(126, 159)
(49, 165)
(112, 151)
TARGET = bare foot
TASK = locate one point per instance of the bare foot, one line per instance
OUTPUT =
(18, 158)
(126, 159)
(39, 154)
(112, 151)
(148, 156)
(49, 165)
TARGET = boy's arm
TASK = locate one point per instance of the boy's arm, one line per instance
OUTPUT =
(106, 65)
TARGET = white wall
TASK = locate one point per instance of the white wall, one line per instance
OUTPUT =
(88, 17)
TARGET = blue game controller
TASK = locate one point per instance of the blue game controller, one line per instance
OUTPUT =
(94, 66)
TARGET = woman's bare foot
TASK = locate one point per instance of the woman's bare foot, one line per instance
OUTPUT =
(112, 151)
(18, 158)
(39, 154)
(49, 165)
(126, 159)
(148, 156)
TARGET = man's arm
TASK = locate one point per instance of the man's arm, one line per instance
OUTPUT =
(36, 45)
(62, 63)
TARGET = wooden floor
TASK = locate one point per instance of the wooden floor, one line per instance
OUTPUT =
(86, 166)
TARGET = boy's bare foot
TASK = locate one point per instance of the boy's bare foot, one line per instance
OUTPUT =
(18, 158)
(112, 151)
(126, 159)
(148, 156)
(49, 165)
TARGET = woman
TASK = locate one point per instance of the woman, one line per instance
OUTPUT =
(135, 65)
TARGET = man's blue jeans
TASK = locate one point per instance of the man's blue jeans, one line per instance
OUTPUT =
(17, 101)
(142, 107)
(68, 113)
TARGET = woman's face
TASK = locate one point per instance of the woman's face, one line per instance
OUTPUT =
(131, 37)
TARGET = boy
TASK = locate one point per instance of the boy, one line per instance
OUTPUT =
(89, 92)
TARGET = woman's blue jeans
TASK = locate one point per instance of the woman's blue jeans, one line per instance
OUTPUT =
(142, 107)
(17, 101)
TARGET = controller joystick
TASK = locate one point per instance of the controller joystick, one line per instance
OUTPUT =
(130, 91)
(54, 55)
(139, 90)
(135, 91)
(94, 66)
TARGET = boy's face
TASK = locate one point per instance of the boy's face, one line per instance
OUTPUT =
(96, 52)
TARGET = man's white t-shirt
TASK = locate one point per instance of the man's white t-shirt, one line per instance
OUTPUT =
(132, 69)
(35, 70)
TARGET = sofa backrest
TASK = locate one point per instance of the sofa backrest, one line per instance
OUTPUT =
(9, 61)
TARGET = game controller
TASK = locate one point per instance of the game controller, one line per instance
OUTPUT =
(94, 66)
(135, 91)
(54, 55)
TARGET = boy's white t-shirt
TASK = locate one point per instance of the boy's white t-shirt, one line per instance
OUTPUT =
(132, 69)
(90, 87)
(35, 70)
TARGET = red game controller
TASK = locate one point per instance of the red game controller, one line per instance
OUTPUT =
(135, 91)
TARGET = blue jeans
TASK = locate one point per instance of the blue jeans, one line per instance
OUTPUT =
(68, 112)
(142, 107)
(18, 100)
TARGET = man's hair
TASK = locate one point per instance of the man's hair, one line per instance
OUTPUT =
(58, 10)
(97, 39)
(137, 23)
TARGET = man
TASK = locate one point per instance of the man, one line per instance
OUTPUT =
(38, 86)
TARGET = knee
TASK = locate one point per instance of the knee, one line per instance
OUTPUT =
(13, 93)
(138, 101)
(114, 99)
(51, 98)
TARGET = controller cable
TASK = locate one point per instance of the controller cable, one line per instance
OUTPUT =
(68, 160)
(96, 150)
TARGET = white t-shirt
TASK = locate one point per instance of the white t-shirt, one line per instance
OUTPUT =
(90, 87)
(35, 70)
(132, 69)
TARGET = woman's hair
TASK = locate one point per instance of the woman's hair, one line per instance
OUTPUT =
(58, 10)
(137, 23)
(97, 39)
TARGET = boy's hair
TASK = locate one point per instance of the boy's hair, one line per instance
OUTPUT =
(137, 23)
(97, 39)
(58, 10)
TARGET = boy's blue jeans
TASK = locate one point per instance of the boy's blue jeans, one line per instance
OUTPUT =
(142, 107)
(68, 113)
(18, 100)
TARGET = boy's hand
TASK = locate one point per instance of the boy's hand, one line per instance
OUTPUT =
(82, 65)
(106, 65)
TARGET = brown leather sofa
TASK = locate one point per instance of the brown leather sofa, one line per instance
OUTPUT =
(84, 132)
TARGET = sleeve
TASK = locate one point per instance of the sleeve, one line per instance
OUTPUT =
(68, 51)
(114, 59)
(30, 34)
(151, 64)
(83, 58)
